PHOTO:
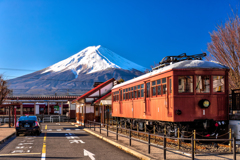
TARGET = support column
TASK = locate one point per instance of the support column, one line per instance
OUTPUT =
(21, 109)
(34, 108)
(48, 107)
(61, 108)
(84, 119)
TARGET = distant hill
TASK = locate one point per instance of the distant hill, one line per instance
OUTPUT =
(76, 74)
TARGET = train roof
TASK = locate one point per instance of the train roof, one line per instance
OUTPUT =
(187, 64)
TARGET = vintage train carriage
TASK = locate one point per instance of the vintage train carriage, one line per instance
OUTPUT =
(191, 94)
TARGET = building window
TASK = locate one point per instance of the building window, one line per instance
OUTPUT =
(218, 83)
(203, 84)
(185, 84)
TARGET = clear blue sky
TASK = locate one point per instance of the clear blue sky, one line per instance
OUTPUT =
(35, 34)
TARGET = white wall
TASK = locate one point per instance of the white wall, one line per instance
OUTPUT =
(106, 89)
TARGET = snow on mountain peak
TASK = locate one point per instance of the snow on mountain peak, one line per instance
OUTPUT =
(93, 59)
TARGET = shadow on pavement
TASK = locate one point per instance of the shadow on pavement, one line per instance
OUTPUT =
(6, 142)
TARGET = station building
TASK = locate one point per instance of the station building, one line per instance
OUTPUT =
(93, 104)
(51, 105)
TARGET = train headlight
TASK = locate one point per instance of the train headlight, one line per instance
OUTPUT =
(204, 103)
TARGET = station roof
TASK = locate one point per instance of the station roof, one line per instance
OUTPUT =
(102, 98)
(68, 98)
(94, 89)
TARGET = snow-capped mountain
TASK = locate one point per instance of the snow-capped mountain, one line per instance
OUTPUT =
(93, 59)
(76, 74)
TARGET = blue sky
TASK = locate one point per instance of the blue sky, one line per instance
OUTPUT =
(35, 34)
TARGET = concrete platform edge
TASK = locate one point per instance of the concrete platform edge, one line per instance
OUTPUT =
(2, 141)
(126, 149)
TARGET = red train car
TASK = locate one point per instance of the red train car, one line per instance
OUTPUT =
(190, 94)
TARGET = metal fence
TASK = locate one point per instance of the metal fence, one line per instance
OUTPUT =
(129, 133)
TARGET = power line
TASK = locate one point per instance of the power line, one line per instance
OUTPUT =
(14, 69)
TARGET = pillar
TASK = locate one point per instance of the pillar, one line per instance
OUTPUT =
(61, 108)
(21, 109)
(48, 107)
(34, 108)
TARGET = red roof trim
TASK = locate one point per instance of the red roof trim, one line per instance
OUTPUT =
(94, 89)
(103, 97)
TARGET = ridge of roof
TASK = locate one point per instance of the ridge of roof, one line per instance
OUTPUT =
(94, 89)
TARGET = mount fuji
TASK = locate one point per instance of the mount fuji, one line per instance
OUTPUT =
(76, 74)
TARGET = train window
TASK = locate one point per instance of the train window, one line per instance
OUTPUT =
(164, 80)
(139, 93)
(153, 83)
(154, 91)
(218, 83)
(148, 89)
(159, 81)
(159, 89)
(132, 94)
(142, 92)
(142, 85)
(126, 89)
(203, 84)
(121, 95)
(135, 87)
(124, 94)
(132, 88)
(135, 91)
(170, 85)
(185, 84)
(153, 88)
(138, 86)
(164, 85)
(164, 89)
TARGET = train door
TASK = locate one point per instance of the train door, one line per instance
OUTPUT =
(169, 92)
(148, 98)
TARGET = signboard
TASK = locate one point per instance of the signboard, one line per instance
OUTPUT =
(56, 109)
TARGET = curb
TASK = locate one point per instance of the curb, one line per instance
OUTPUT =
(128, 150)
(2, 141)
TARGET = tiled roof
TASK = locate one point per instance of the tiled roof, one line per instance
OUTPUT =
(94, 89)
(103, 97)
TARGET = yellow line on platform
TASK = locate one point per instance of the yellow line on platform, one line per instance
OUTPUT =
(46, 127)
(12, 154)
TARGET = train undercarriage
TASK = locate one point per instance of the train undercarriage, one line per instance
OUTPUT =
(205, 128)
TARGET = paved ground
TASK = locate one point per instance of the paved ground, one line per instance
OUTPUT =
(60, 141)
(5, 131)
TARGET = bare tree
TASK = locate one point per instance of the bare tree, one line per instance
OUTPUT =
(3, 89)
(225, 48)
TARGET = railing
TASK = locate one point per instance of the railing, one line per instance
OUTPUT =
(55, 117)
(164, 137)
